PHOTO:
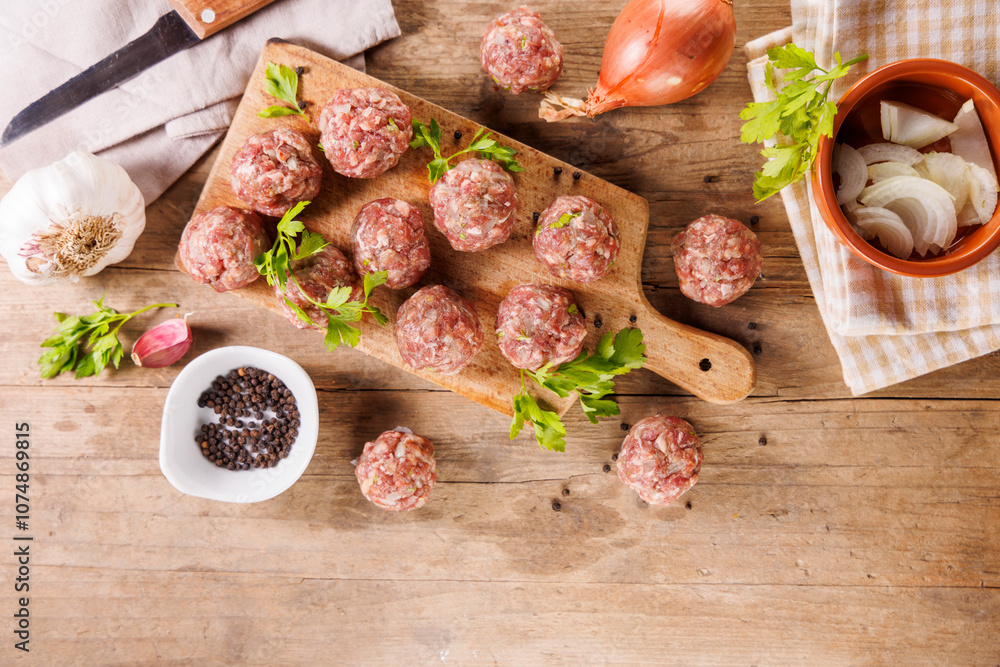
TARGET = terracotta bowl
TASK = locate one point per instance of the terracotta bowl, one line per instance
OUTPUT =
(937, 86)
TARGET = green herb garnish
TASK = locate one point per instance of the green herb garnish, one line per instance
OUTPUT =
(591, 376)
(563, 220)
(275, 266)
(70, 352)
(282, 82)
(481, 143)
(573, 309)
(801, 113)
(392, 123)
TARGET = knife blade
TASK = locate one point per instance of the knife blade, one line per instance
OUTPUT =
(170, 34)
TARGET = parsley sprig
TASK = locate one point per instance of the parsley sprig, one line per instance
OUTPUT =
(282, 82)
(801, 113)
(275, 265)
(591, 376)
(481, 143)
(87, 344)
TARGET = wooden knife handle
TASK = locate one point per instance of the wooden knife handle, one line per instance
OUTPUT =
(207, 17)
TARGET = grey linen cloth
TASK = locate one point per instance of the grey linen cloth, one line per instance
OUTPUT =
(158, 124)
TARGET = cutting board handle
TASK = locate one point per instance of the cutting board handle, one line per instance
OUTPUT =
(207, 17)
(711, 367)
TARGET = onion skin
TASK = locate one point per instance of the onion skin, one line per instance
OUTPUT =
(163, 345)
(663, 51)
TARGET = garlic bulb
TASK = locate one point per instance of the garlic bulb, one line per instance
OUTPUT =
(70, 219)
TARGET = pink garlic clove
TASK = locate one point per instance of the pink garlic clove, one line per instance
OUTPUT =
(163, 344)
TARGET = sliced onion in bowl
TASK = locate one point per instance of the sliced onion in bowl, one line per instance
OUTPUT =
(982, 193)
(924, 206)
(950, 172)
(883, 170)
(853, 174)
(890, 229)
(888, 152)
(910, 126)
(969, 141)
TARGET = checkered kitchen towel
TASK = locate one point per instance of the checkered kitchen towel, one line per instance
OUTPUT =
(888, 328)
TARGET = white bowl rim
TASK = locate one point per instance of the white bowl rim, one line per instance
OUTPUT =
(249, 486)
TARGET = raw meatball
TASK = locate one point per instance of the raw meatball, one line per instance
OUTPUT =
(716, 259)
(389, 235)
(365, 131)
(438, 330)
(539, 324)
(397, 471)
(660, 459)
(521, 53)
(317, 275)
(274, 171)
(576, 238)
(474, 205)
(218, 248)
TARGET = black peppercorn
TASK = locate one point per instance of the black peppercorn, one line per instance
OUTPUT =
(458, 135)
(624, 426)
(752, 326)
(557, 170)
(754, 219)
(607, 467)
(632, 319)
(556, 505)
(576, 175)
(598, 322)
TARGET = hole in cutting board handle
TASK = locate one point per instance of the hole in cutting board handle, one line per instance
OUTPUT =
(705, 365)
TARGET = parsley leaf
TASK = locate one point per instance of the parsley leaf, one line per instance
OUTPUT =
(69, 351)
(487, 148)
(276, 265)
(589, 375)
(800, 113)
(282, 82)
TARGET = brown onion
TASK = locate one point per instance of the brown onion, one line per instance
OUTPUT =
(658, 52)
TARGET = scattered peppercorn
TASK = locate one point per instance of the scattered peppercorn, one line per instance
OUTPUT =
(607, 467)
(303, 104)
(576, 175)
(624, 426)
(762, 441)
(598, 322)
(556, 505)
(565, 492)
(614, 457)
(687, 505)
(300, 70)
(557, 171)
(709, 179)
(752, 326)
(705, 364)
(632, 319)
(247, 392)
(757, 349)
(458, 135)
(754, 219)
(535, 216)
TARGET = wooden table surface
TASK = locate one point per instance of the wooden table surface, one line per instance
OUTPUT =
(824, 529)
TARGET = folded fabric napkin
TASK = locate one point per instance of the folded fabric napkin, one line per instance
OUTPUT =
(888, 328)
(158, 124)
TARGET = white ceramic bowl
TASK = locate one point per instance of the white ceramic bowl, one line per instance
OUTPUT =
(181, 459)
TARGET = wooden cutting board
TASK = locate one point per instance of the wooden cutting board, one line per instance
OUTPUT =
(710, 366)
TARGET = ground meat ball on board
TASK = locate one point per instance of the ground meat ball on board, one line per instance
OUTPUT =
(389, 235)
(521, 53)
(717, 259)
(365, 131)
(438, 330)
(218, 248)
(397, 471)
(274, 171)
(318, 275)
(474, 205)
(539, 324)
(660, 459)
(577, 238)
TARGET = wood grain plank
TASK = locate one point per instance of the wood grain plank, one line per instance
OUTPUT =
(217, 618)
